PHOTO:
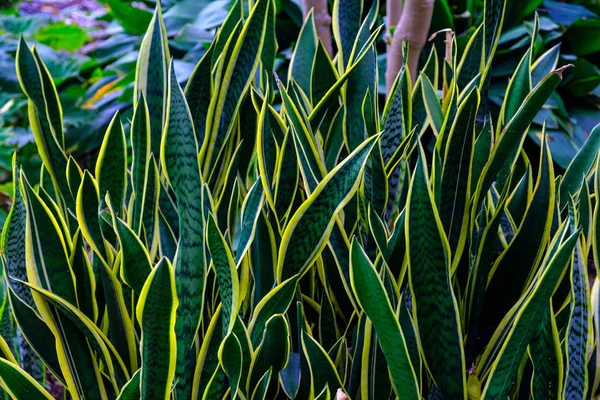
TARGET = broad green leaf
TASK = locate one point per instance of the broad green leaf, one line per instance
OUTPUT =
(372, 298)
(433, 298)
(156, 312)
(151, 77)
(307, 231)
(19, 384)
(227, 275)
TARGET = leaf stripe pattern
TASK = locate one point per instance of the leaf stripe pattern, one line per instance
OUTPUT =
(436, 308)
(179, 159)
(309, 228)
(578, 341)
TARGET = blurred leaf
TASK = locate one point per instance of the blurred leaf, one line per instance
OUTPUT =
(61, 36)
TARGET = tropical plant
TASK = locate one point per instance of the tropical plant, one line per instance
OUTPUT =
(257, 236)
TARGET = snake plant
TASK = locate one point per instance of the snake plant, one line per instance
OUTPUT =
(255, 236)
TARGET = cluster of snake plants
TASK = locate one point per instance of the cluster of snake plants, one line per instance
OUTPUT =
(254, 236)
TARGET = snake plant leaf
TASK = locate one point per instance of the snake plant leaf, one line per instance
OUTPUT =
(87, 214)
(149, 219)
(335, 89)
(322, 369)
(521, 198)
(36, 333)
(360, 82)
(85, 280)
(513, 133)
(288, 176)
(304, 54)
(432, 104)
(546, 356)
(470, 63)
(522, 256)
(372, 298)
(227, 28)
(324, 76)
(270, 47)
(111, 166)
(42, 124)
(74, 175)
(493, 21)
(273, 351)
(131, 390)
(179, 159)
(120, 327)
(277, 301)
(456, 175)
(135, 261)
(233, 83)
(216, 384)
(13, 243)
(263, 256)
(519, 84)
(585, 214)
(308, 156)
(308, 229)
(151, 76)
(227, 275)
(18, 384)
(208, 358)
(545, 63)
(260, 391)
(47, 260)
(156, 312)
(266, 152)
(140, 151)
(579, 335)
(437, 316)
(96, 338)
(596, 221)
(231, 359)
(198, 91)
(523, 327)
(346, 24)
(250, 213)
(579, 167)
(53, 106)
